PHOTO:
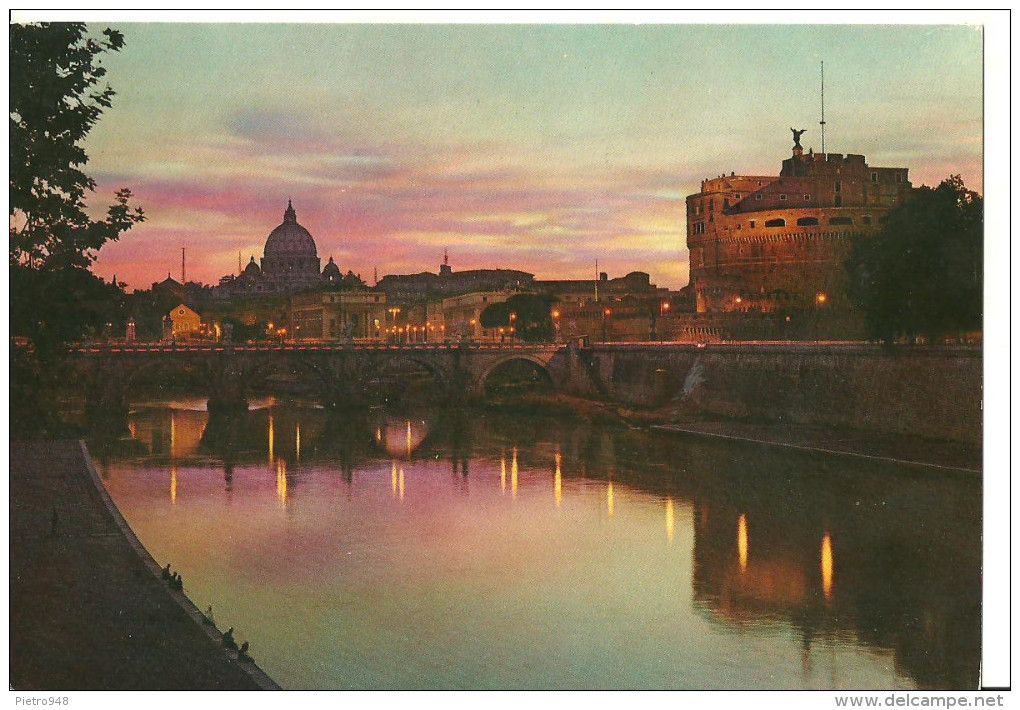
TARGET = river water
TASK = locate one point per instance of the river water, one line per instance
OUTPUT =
(483, 550)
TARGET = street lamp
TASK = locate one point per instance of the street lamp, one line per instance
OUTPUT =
(605, 317)
(820, 301)
(513, 319)
(556, 324)
(393, 317)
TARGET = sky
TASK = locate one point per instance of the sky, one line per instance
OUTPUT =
(541, 147)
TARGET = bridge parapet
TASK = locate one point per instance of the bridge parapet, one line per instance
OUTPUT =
(338, 373)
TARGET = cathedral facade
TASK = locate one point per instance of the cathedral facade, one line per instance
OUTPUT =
(778, 243)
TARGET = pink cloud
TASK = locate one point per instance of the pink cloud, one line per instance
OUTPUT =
(391, 207)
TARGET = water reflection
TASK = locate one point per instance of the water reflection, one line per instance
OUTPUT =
(827, 566)
(402, 438)
(281, 481)
(272, 438)
(513, 475)
(558, 481)
(742, 542)
(906, 611)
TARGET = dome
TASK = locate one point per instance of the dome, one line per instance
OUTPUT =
(331, 270)
(252, 268)
(290, 238)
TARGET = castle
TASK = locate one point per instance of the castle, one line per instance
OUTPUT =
(764, 244)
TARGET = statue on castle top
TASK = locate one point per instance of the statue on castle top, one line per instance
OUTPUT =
(796, 136)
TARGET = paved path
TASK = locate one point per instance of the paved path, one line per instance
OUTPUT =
(87, 607)
(949, 456)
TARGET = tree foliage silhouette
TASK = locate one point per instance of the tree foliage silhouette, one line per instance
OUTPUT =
(531, 320)
(55, 101)
(922, 273)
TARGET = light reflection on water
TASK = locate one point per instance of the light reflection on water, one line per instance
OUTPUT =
(392, 552)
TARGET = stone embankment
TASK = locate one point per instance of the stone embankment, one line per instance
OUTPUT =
(877, 446)
(88, 610)
(932, 393)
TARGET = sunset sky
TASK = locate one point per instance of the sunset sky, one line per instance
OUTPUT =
(537, 147)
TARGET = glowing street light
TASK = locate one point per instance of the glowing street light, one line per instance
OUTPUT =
(394, 312)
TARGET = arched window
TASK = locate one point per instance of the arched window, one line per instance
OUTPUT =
(841, 220)
(807, 222)
(778, 222)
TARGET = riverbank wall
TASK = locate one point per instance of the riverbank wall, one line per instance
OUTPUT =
(88, 610)
(924, 391)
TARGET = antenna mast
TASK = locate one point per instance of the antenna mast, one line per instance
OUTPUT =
(822, 122)
(184, 278)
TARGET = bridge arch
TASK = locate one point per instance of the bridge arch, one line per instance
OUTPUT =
(121, 380)
(521, 369)
(442, 378)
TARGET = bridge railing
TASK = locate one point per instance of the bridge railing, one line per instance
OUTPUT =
(141, 348)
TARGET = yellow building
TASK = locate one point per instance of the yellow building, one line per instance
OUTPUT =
(184, 321)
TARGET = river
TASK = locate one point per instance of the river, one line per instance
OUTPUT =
(474, 549)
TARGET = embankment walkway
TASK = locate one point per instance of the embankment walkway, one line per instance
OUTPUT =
(88, 610)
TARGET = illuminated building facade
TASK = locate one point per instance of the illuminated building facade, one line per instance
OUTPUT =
(184, 321)
(334, 316)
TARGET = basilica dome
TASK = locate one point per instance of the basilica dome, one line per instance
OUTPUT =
(290, 238)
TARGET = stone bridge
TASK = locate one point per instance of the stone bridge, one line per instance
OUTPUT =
(931, 391)
(336, 375)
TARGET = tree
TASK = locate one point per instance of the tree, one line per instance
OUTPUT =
(530, 317)
(54, 103)
(55, 100)
(922, 273)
